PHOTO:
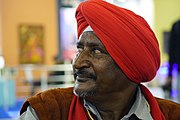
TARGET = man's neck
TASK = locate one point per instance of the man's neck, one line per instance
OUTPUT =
(114, 106)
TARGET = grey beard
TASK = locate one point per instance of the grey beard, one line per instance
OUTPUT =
(84, 93)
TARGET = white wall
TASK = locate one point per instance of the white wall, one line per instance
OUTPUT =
(31, 12)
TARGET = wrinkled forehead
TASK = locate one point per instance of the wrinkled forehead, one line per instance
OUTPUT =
(89, 37)
(87, 29)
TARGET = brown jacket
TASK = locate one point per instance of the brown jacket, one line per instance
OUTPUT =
(54, 104)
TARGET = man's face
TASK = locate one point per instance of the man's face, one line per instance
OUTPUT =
(95, 72)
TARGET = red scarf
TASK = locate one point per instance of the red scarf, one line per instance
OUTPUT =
(154, 107)
(77, 111)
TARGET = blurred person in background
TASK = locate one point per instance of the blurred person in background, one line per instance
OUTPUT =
(117, 51)
(174, 57)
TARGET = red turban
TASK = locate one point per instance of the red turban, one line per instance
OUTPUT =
(127, 37)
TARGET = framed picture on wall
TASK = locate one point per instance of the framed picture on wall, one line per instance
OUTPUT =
(31, 39)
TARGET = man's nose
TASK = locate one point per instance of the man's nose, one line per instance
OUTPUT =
(82, 60)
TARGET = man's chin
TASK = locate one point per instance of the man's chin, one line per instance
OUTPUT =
(83, 91)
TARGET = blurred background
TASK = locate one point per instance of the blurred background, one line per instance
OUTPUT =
(38, 42)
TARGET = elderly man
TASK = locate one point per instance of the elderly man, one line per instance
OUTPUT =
(117, 50)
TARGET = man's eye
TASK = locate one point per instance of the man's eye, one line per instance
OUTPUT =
(80, 50)
(97, 51)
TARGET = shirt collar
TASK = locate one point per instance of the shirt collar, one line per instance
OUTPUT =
(140, 108)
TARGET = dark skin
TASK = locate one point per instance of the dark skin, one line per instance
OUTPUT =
(99, 80)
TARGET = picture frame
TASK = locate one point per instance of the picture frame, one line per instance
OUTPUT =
(31, 39)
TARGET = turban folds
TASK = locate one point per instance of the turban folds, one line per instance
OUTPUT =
(126, 36)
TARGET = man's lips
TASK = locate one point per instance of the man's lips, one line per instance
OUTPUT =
(82, 79)
(82, 75)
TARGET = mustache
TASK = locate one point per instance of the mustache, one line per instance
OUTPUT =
(84, 72)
